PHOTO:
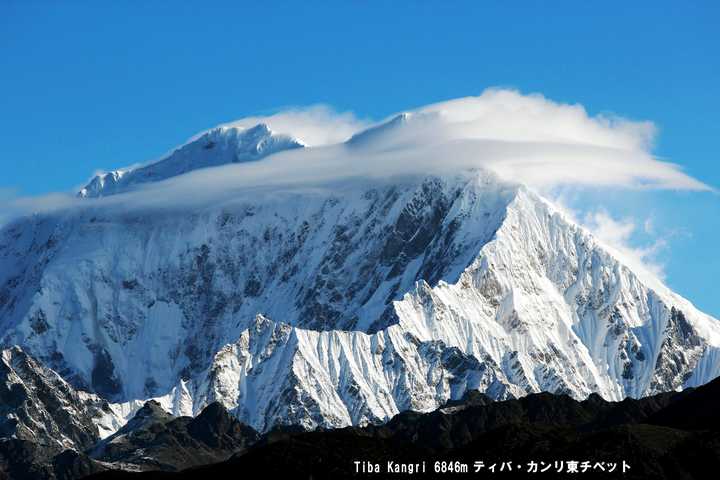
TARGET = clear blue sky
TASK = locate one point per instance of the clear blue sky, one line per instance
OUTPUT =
(90, 85)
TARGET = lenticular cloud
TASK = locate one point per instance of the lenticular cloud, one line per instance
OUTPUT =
(523, 138)
(526, 138)
(536, 141)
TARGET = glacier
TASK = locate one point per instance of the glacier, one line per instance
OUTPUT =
(339, 303)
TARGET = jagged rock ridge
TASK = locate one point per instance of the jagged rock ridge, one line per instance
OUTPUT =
(656, 437)
(51, 431)
(37, 405)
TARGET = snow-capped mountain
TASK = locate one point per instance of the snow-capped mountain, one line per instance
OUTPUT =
(219, 146)
(339, 303)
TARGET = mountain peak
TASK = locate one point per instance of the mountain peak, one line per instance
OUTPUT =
(37, 404)
(391, 131)
(218, 146)
(152, 409)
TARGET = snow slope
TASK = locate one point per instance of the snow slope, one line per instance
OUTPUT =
(219, 146)
(341, 303)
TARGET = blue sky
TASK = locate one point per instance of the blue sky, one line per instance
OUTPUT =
(99, 85)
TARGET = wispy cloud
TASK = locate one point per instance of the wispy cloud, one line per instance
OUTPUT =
(542, 143)
(524, 138)
(316, 125)
(618, 233)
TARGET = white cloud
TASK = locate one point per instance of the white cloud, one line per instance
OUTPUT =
(539, 142)
(510, 116)
(524, 138)
(618, 235)
(315, 126)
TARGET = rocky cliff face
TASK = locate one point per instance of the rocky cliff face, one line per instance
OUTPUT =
(38, 406)
(48, 430)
